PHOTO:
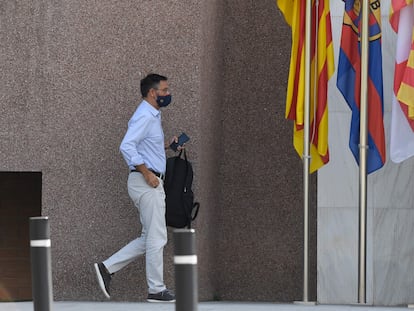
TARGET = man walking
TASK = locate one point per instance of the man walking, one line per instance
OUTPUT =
(143, 149)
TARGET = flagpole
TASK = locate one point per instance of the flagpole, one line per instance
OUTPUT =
(306, 151)
(363, 149)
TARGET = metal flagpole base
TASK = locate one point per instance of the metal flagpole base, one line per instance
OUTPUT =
(305, 303)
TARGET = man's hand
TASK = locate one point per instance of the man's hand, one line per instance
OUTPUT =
(172, 140)
(149, 176)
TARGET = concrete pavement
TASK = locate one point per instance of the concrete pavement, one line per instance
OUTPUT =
(203, 306)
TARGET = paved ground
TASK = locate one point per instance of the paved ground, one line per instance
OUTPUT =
(203, 306)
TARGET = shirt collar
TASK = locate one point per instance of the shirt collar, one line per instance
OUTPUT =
(150, 108)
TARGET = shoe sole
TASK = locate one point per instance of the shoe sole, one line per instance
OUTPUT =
(101, 281)
(163, 301)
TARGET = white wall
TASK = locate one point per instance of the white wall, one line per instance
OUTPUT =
(390, 232)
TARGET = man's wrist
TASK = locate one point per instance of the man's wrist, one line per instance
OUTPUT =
(142, 169)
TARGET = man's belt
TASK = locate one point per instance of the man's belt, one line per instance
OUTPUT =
(155, 173)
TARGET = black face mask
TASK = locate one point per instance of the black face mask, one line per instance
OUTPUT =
(164, 101)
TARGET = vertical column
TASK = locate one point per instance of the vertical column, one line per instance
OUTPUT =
(41, 263)
(185, 261)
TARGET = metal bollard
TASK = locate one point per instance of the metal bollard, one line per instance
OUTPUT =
(185, 261)
(41, 263)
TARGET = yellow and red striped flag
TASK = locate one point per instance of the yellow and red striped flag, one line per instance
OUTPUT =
(322, 68)
(402, 117)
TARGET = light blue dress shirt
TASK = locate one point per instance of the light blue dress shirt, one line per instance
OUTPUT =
(144, 140)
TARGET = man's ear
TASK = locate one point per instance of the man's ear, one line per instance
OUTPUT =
(154, 93)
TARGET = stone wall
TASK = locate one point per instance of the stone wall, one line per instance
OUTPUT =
(69, 84)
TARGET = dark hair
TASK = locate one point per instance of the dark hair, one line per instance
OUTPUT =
(151, 81)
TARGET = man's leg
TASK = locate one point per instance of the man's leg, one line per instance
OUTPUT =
(125, 255)
(117, 261)
(137, 187)
(152, 212)
(129, 252)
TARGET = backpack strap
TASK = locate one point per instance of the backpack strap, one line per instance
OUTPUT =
(187, 214)
(196, 205)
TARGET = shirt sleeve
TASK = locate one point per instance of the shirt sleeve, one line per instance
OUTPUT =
(136, 132)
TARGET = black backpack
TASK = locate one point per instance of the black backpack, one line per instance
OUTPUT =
(179, 198)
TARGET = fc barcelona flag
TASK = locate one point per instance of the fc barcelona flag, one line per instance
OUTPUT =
(322, 68)
(349, 80)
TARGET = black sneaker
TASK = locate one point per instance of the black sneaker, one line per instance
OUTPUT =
(104, 278)
(164, 296)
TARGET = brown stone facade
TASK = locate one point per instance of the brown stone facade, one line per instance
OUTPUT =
(70, 82)
(20, 199)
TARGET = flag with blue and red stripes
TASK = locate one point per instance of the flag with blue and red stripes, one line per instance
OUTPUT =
(349, 80)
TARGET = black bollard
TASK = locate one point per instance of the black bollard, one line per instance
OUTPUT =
(185, 261)
(41, 263)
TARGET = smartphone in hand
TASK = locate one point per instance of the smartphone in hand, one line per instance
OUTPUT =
(182, 139)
